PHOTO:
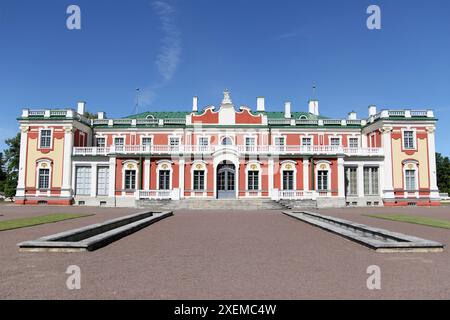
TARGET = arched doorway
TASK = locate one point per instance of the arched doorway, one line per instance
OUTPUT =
(226, 180)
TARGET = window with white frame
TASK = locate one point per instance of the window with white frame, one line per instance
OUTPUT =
(46, 138)
(250, 143)
(146, 141)
(410, 180)
(102, 181)
(101, 142)
(174, 143)
(351, 181)
(253, 180)
(306, 141)
(199, 180)
(44, 179)
(408, 139)
(227, 141)
(83, 181)
(203, 143)
(130, 180)
(353, 142)
(119, 143)
(164, 179)
(371, 181)
(280, 143)
(322, 180)
(335, 142)
(288, 180)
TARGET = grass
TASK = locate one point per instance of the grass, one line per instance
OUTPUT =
(425, 221)
(34, 221)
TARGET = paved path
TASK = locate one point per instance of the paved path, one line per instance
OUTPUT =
(224, 255)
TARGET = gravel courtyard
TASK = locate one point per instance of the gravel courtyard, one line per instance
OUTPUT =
(224, 255)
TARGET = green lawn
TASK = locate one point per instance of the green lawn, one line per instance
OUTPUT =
(34, 221)
(426, 221)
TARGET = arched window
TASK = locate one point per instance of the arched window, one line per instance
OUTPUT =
(227, 141)
(149, 117)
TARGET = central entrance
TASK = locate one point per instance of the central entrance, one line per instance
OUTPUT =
(226, 180)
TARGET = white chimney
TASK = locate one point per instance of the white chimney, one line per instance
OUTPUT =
(81, 107)
(287, 110)
(260, 104)
(101, 115)
(352, 115)
(372, 110)
(194, 104)
(313, 107)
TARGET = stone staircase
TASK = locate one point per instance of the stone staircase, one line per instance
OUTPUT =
(298, 204)
(211, 204)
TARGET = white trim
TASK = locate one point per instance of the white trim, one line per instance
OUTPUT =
(247, 169)
(51, 138)
(283, 168)
(160, 163)
(328, 168)
(135, 168)
(414, 131)
(39, 166)
(205, 169)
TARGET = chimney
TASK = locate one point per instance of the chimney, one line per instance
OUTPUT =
(101, 115)
(313, 107)
(260, 107)
(287, 109)
(372, 110)
(194, 104)
(81, 107)
(352, 115)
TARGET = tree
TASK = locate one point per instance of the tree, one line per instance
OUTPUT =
(443, 173)
(90, 115)
(12, 155)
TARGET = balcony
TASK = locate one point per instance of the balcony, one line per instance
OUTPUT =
(241, 149)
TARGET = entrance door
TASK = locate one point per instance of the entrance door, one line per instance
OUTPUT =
(226, 182)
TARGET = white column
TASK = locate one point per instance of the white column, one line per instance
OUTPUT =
(147, 174)
(22, 162)
(112, 176)
(388, 186)
(360, 180)
(305, 174)
(66, 190)
(434, 190)
(341, 178)
(94, 180)
(270, 173)
(181, 177)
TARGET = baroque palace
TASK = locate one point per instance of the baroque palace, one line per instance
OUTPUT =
(387, 159)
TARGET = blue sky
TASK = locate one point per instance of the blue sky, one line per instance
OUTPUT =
(176, 49)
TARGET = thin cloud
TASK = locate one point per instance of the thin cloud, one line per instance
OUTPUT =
(169, 57)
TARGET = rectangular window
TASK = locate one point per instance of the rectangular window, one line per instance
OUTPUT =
(370, 181)
(253, 180)
(103, 181)
(83, 181)
(408, 140)
(279, 143)
(130, 179)
(353, 142)
(288, 180)
(174, 144)
(146, 141)
(164, 180)
(335, 141)
(101, 142)
(46, 138)
(351, 181)
(203, 143)
(306, 142)
(250, 143)
(199, 180)
(44, 179)
(119, 144)
(322, 180)
(410, 180)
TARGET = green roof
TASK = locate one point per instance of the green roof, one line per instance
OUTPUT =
(178, 115)
(294, 115)
(159, 115)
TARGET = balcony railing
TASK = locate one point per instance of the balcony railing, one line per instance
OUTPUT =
(210, 149)
(157, 194)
